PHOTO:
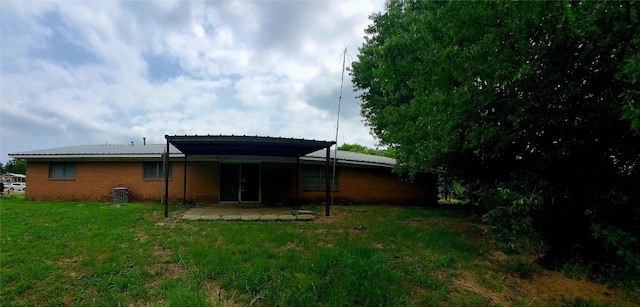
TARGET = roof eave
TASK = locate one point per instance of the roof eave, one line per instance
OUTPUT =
(348, 162)
(92, 156)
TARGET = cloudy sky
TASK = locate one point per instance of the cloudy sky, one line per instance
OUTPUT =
(96, 72)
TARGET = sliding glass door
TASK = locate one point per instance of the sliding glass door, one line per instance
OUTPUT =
(239, 182)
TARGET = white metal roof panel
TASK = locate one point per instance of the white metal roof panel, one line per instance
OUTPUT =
(352, 158)
(156, 150)
(106, 150)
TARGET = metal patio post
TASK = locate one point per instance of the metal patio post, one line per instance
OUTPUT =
(326, 187)
(166, 181)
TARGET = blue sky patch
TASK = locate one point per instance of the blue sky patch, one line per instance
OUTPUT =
(60, 46)
(162, 68)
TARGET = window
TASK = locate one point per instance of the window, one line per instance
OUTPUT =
(65, 170)
(313, 177)
(154, 170)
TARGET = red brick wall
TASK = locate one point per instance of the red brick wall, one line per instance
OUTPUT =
(379, 186)
(95, 180)
(202, 182)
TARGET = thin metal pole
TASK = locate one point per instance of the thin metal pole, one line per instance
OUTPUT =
(326, 189)
(335, 155)
(166, 181)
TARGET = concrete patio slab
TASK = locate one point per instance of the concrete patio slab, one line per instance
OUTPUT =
(287, 217)
(305, 217)
(246, 212)
(214, 217)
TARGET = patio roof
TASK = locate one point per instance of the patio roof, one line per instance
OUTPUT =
(227, 145)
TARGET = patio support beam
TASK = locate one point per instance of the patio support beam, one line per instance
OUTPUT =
(166, 181)
(184, 187)
(297, 179)
(326, 179)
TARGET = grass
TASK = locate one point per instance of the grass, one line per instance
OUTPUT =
(89, 253)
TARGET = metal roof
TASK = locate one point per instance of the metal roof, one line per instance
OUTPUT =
(231, 145)
(100, 151)
(349, 157)
(137, 151)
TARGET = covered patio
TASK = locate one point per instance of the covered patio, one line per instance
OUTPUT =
(240, 183)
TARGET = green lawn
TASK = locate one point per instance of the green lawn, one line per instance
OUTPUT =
(88, 253)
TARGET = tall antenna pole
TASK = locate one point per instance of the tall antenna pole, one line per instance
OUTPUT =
(335, 150)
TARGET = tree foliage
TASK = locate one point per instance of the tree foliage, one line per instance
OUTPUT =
(532, 101)
(366, 150)
(18, 166)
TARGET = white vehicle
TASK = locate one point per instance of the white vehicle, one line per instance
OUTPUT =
(18, 186)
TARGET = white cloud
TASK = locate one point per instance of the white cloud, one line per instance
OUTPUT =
(95, 72)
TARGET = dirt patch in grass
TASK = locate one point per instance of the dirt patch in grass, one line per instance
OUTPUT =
(218, 296)
(170, 222)
(336, 214)
(173, 270)
(161, 251)
(140, 236)
(544, 289)
(72, 260)
(505, 289)
(153, 215)
(162, 271)
(71, 265)
(293, 245)
(552, 285)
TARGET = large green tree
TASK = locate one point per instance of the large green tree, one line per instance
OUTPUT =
(533, 104)
(18, 166)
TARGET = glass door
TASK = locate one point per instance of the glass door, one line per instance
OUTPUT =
(239, 182)
(250, 183)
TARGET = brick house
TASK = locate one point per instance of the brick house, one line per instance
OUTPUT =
(8, 178)
(212, 169)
